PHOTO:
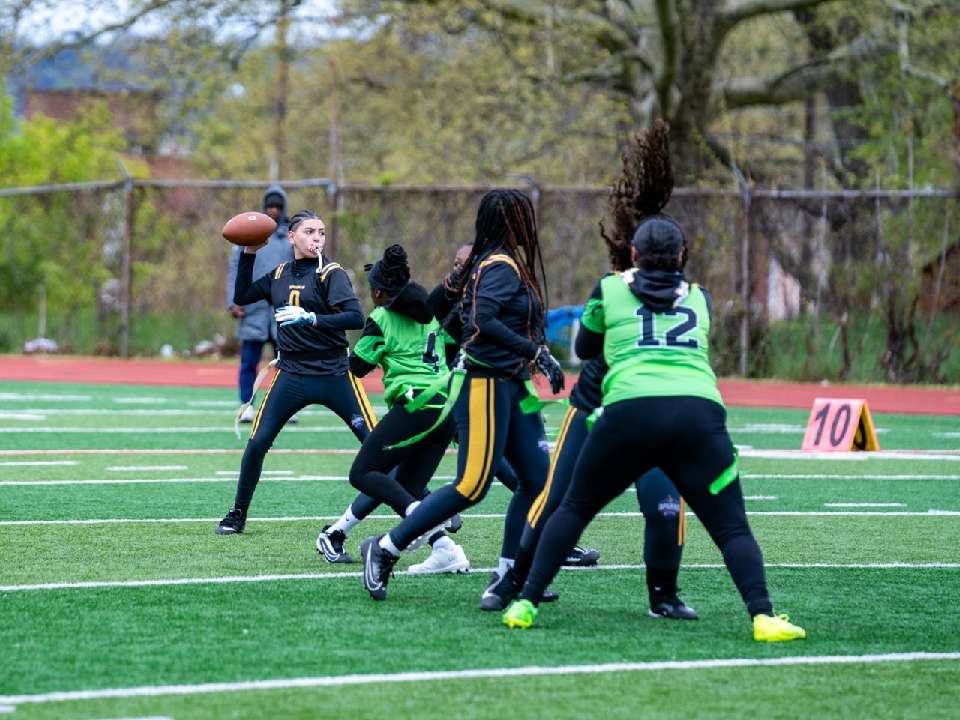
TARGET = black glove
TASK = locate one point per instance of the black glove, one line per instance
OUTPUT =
(548, 365)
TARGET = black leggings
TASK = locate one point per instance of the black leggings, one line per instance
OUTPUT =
(414, 465)
(686, 437)
(288, 394)
(490, 425)
(661, 504)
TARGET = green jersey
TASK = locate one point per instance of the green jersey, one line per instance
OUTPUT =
(651, 353)
(412, 354)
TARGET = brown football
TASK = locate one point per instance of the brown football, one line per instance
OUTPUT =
(249, 228)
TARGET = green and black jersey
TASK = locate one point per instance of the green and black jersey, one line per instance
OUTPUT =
(407, 342)
(652, 353)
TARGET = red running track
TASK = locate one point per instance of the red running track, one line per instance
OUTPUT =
(743, 393)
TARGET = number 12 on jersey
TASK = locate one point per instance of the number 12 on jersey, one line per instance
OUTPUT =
(674, 336)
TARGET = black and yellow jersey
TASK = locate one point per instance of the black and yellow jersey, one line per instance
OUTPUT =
(319, 350)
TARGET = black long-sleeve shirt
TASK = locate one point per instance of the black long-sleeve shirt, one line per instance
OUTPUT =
(305, 349)
(498, 317)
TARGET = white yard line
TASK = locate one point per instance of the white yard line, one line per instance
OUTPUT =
(477, 516)
(822, 476)
(222, 477)
(144, 468)
(33, 397)
(287, 577)
(192, 430)
(852, 456)
(863, 504)
(760, 497)
(471, 674)
(34, 417)
(36, 463)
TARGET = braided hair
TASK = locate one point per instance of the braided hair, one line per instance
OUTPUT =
(300, 217)
(506, 221)
(641, 191)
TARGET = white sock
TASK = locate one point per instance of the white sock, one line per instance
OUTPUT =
(444, 541)
(387, 544)
(504, 564)
(410, 508)
(345, 523)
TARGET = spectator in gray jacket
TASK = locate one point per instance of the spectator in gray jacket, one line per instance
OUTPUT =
(256, 325)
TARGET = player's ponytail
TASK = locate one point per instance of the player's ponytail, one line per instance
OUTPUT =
(641, 191)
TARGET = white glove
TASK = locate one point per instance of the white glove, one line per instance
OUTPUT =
(294, 315)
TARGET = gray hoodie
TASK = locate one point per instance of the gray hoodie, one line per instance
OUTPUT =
(258, 323)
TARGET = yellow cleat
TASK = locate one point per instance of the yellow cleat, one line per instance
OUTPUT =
(520, 614)
(776, 628)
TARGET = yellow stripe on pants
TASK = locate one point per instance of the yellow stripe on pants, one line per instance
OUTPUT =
(256, 420)
(536, 510)
(682, 525)
(366, 409)
(479, 440)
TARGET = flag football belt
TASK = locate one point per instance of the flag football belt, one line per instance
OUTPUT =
(453, 386)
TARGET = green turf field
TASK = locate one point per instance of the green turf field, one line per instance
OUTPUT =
(118, 601)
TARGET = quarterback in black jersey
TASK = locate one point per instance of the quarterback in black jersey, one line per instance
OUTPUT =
(315, 304)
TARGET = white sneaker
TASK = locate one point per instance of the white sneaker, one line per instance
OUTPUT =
(442, 560)
(247, 415)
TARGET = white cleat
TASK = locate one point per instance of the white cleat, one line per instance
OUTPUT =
(247, 415)
(442, 560)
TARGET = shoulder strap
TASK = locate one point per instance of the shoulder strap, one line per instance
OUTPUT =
(329, 268)
(500, 258)
(279, 271)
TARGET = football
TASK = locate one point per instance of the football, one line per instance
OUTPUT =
(249, 228)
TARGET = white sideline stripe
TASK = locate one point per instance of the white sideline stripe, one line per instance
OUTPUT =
(851, 456)
(760, 497)
(36, 463)
(161, 430)
(22, 416)
(864, 504)
(947, 434)
(148, 412)
(32, 397)
(222, 478)
(134, 468)
(823, 476)
(472, 674)
(233, 579)
(5, 709)
(264, 472)
(141, 400)
(475, 516)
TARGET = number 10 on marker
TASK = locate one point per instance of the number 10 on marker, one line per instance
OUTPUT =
(840, 425)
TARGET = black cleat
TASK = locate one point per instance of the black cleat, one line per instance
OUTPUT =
(672, 608)
(453, 523)
(377, 567)
(330, 546)
(582, 557)
(233, 523)
(501, 591)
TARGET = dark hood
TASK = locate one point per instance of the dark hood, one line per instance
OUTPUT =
(412, 303)
(275, 190)
(657, 289)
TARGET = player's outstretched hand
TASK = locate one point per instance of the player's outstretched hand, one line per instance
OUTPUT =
(294, 315)
(549, 366)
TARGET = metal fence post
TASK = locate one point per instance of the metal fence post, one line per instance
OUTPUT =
(126, 262)
(744, 273)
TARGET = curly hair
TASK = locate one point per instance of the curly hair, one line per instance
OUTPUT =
(642, 190)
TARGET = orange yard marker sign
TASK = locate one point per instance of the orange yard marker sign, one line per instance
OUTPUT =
(839, 425)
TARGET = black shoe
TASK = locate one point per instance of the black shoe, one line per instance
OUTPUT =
(454, 523)
(233, 523)
(582, 557)
(549, 596)
(330, 546)
(671, 607)
(377, 567)
(500, 591)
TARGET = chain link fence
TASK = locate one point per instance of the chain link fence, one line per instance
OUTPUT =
(806, 284)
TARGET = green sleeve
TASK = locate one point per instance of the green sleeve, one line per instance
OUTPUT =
(592, 318)
(371, 344)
